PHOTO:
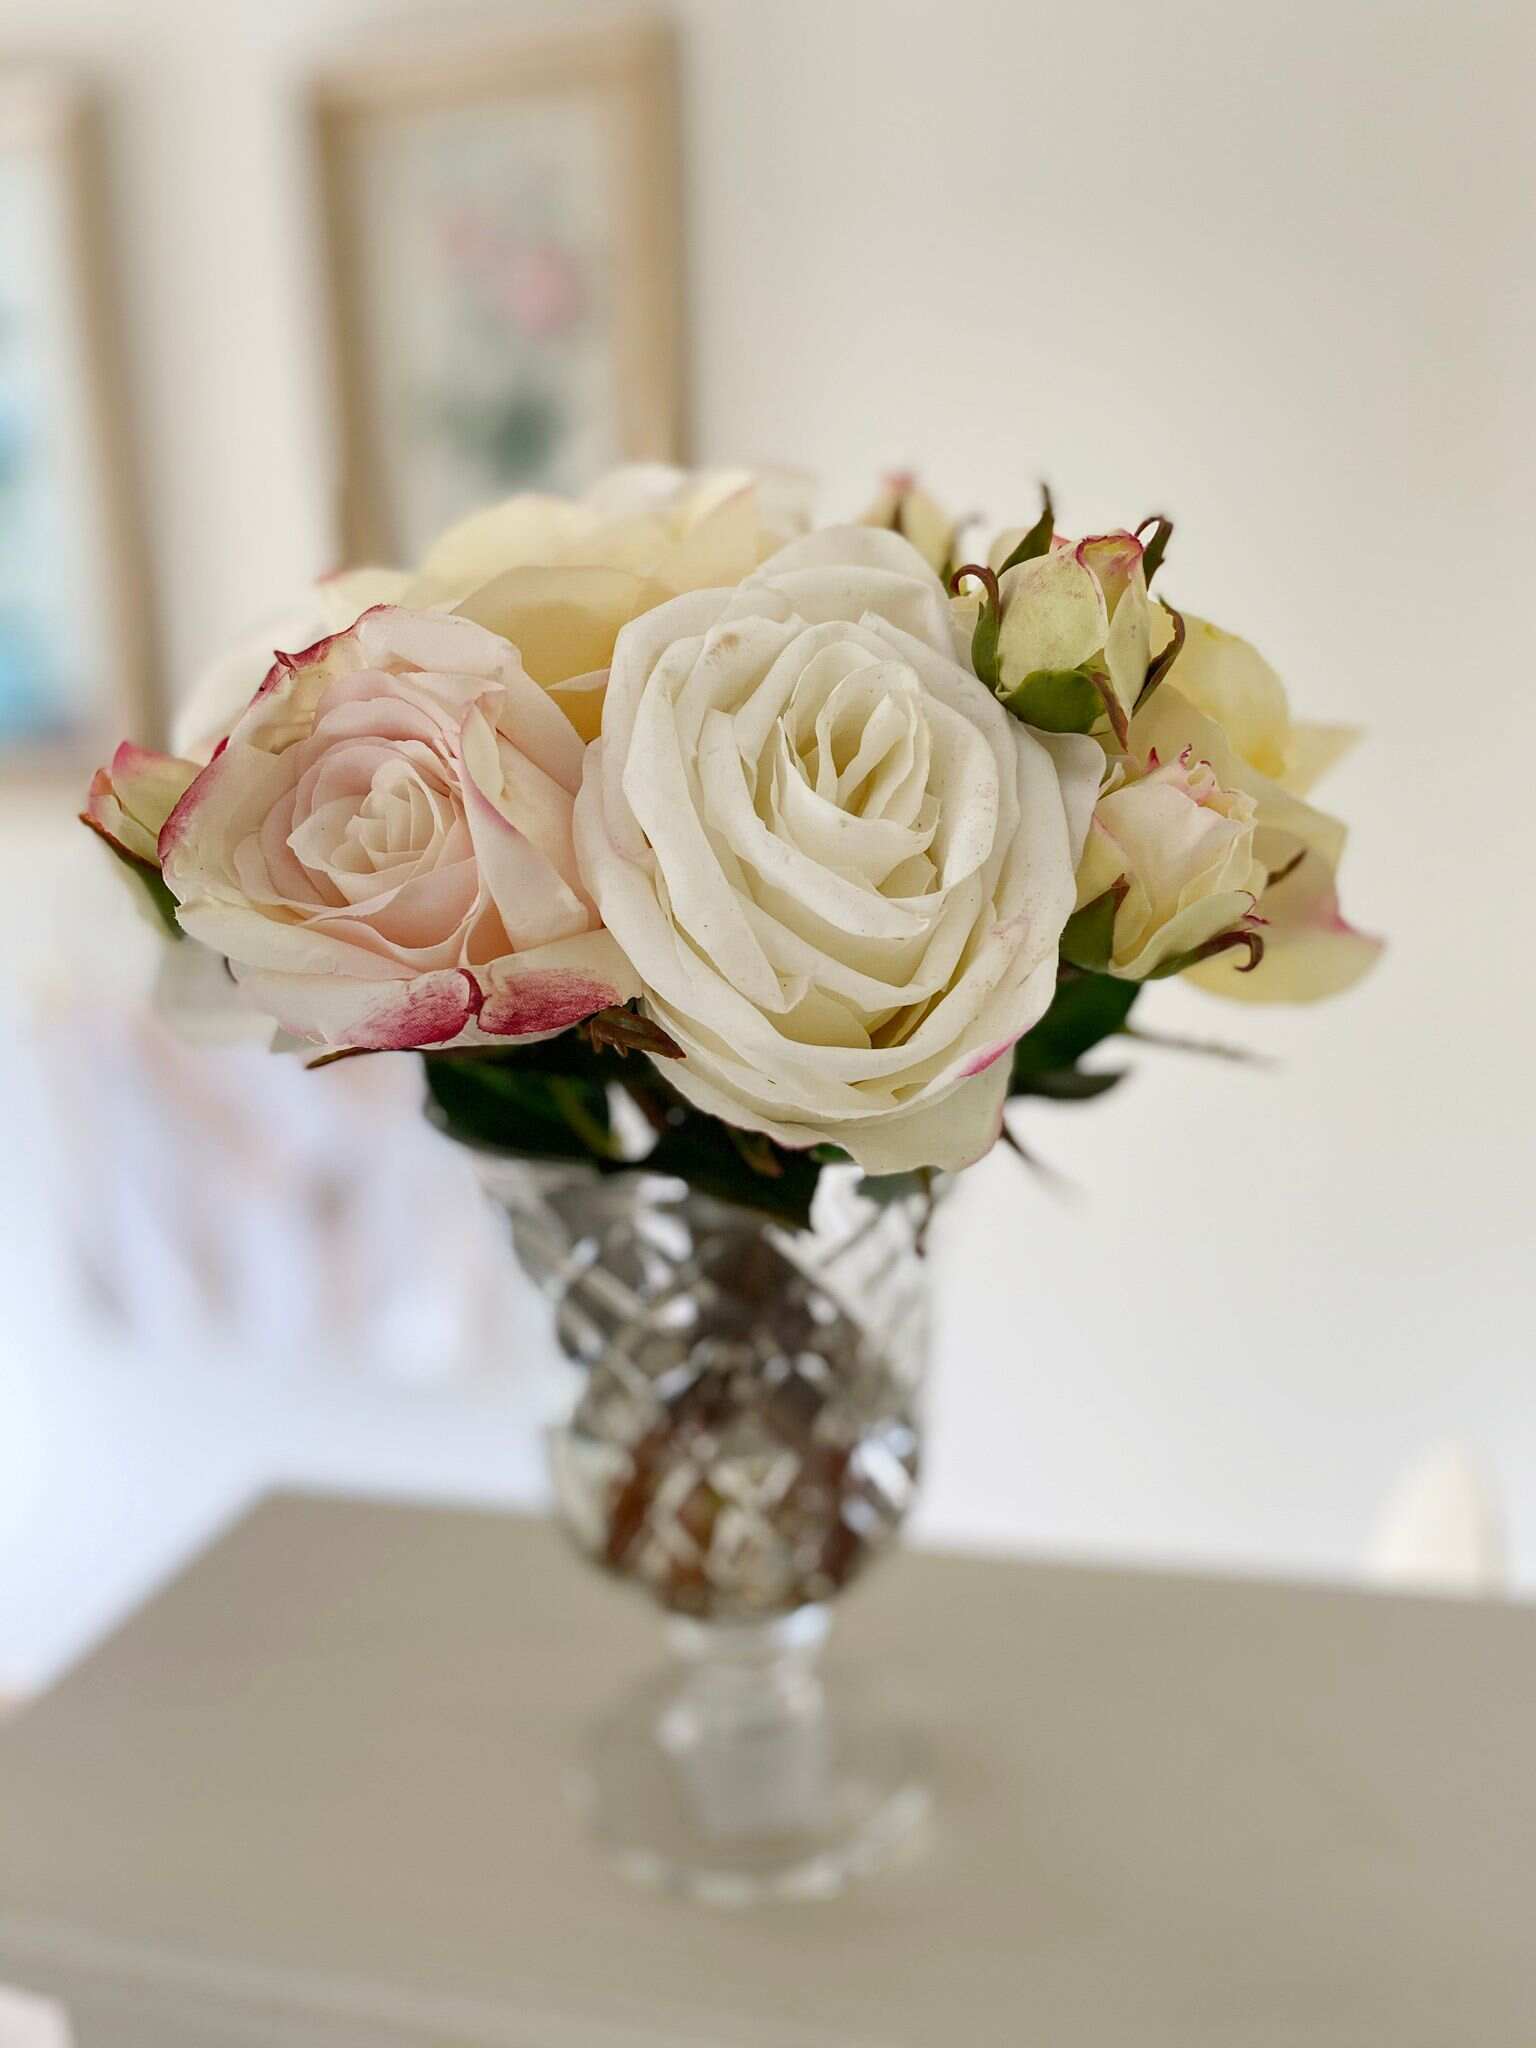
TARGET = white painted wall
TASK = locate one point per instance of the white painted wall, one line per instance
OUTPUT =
(1271, 268)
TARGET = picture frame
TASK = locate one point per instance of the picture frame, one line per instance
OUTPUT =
(75, 653)
(501, 244)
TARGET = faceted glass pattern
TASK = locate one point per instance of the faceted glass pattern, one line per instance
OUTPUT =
(744, 1437)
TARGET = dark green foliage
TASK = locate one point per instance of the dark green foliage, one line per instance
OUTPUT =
(1087, 1009)
(510, 1102)
(552, 1102)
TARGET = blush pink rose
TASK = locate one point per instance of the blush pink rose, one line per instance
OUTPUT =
(382, 846)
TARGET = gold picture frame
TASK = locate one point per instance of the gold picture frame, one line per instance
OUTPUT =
(474, 197)
(75, 644)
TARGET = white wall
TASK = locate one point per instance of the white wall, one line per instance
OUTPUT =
(1268, 268)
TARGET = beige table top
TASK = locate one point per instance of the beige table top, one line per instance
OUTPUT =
(311, 1795)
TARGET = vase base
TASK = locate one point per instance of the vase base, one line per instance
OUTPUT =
(779, 1806)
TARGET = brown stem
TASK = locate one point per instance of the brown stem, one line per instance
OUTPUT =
(987, 577)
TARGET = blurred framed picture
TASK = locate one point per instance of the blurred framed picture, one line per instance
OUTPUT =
(502, 245)
(73, 654)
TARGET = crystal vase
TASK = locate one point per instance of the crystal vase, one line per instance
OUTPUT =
(743, 1442)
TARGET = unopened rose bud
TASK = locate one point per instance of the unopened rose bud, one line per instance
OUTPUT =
(1079, 609)
(901, 505)
(1178, 850)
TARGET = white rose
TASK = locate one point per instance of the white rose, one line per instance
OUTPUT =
(839, 867)
(382, 849)
(557, 577)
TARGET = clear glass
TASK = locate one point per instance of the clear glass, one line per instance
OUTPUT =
(743, 1441)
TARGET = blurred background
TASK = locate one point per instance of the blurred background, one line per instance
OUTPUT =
(273, 294)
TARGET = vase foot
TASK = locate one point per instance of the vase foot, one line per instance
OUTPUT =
(733, 1792)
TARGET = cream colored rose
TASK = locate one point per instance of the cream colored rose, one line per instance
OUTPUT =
(557, 577)
(1206, 845)
(1180, 848)
(839, 867)
(382, 849)
(1231, 682)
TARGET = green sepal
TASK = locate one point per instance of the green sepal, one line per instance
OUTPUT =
(1224, 942)
(1088, 938)
(1039, 537)
(1158, 669)
(1155, 549)
(1057, 700)
(989, 624)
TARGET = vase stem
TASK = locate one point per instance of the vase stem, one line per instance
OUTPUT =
(746, 1728)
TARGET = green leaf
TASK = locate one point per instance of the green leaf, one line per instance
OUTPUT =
(550, 1101)
(1087, 1008)
(1057, 700)
(1038, 539)
(1089, 937)
(703, 1151)
(1068, 1084)
(499, 1106)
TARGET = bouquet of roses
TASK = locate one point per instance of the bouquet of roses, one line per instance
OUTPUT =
(675, 833)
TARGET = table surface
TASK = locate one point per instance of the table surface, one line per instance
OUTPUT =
(312, 1795)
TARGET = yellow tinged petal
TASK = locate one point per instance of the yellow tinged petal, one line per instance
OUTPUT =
(563, 622)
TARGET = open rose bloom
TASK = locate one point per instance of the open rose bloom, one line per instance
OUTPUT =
(840, 867)
(815, 844)
(382, 846)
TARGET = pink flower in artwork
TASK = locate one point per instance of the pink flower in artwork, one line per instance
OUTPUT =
(544, 290)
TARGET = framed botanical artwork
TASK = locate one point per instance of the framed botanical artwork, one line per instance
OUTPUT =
(73, 644)
(502, 249)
